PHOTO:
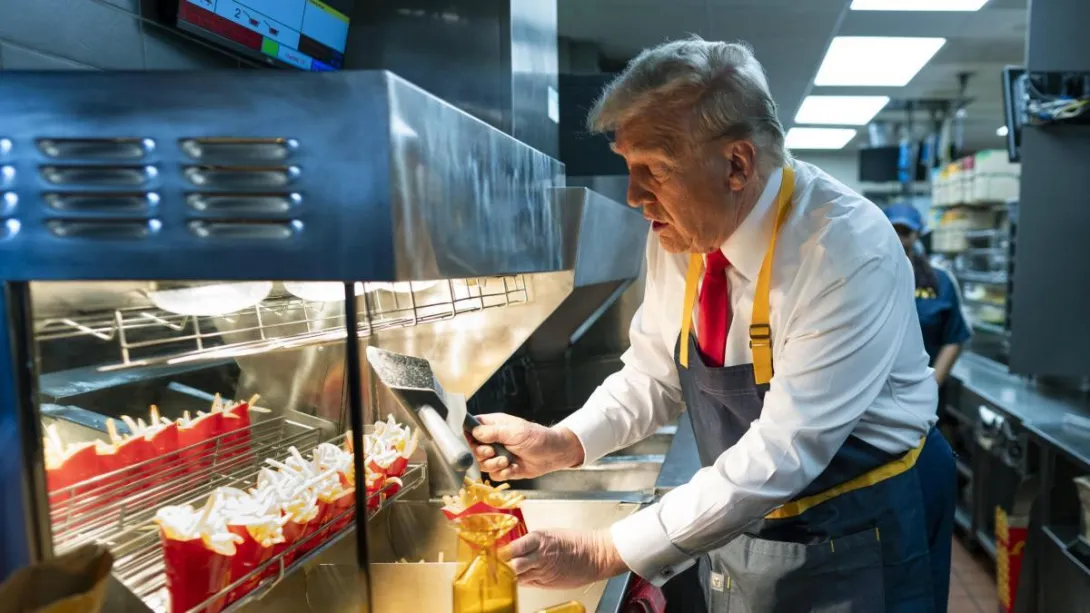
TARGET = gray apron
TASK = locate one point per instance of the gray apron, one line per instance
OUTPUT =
(865, 551)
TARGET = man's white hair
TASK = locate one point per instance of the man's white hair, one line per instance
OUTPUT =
(721, 85)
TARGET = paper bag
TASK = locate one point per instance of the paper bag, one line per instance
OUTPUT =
(73, 583)
(518, 531)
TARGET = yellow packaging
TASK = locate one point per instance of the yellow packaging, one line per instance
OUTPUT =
(484, 583)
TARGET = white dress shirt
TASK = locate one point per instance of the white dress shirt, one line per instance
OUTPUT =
(848, 356)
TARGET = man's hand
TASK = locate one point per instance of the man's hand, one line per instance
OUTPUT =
(564, 558)
(536, 449)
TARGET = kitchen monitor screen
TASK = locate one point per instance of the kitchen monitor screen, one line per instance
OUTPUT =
(305, 34)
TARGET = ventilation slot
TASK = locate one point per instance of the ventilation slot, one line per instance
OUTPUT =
(235, 178)
(239, 151)
(245, 230)
(103, 229)
(97, 149)
(102, 202)
(244, 204)
(99, 176)
(242, 188)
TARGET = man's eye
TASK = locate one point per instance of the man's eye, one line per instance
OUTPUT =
(659, 173)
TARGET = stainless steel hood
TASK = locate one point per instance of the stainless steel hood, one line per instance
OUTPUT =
(263, 175)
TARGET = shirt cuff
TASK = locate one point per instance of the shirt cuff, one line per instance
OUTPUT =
(646, 548)
(593, 430)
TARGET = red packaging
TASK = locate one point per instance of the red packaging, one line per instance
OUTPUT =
(337, 507)
(248, 556)
(194, 574)
(80, 465)
(196, 440)
(236, 428)
(1010, 540)
(518, 531)
(295, 532)
(164, 445)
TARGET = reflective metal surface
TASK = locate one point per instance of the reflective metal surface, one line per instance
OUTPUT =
(391, 182)
(608, 257)
(494, 59)
(610, 474)
(418, 531)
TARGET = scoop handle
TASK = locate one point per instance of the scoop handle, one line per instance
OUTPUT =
(472, 422)
(452, 447)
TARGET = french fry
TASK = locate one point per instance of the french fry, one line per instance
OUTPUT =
(481, 497)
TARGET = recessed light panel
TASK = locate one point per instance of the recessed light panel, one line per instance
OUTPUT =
(840, 110)
(819, 138)
(876, 61)
(918, 5)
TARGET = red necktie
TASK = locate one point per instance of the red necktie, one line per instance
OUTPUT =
(714, 313)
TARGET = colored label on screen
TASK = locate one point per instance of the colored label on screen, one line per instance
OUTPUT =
(307, 34)
(270, 47)
(293, 57)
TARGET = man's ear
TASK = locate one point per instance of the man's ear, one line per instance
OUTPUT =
(741, 158)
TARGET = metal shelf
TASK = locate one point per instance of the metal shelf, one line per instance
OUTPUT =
(118, 509)
(983, 278)
(151, 336)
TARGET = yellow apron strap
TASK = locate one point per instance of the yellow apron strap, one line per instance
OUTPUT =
(692, 282)
(867, 479)
(760, 333)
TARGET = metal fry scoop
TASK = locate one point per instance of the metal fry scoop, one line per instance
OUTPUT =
(412, 380)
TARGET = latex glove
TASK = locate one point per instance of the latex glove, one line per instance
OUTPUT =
(564, 558)
(536, 449)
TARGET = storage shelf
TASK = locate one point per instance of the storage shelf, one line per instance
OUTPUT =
(987, 543)
(1067, 539)
(984, 326)
(962, 518)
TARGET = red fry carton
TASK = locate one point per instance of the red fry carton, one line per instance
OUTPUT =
(194, 573)
(249, 554)
(77, 467)
(235, 424)
(197, 440)
(481, 507)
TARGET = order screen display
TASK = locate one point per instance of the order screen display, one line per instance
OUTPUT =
(306, 34)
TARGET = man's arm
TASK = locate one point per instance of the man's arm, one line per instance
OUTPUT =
(840, 348)
(645, 394)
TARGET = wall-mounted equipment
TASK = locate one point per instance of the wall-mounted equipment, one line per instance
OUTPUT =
(303, 34)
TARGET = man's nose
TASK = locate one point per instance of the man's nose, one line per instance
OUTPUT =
(638, 196)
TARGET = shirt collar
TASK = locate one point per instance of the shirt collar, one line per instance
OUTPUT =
(745, 248)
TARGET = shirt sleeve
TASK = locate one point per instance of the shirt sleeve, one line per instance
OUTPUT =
(955, 331)
(645, 394)
(841, 342)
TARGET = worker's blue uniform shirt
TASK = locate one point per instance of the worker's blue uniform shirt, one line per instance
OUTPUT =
(940, 315)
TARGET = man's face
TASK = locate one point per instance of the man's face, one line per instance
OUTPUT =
(693, 194)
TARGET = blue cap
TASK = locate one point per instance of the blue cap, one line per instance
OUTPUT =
(905, 215)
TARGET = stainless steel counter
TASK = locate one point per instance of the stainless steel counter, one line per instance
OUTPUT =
(1040, 409)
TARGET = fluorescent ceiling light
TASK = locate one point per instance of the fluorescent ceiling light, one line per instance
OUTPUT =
(917, 5)
(819, 138)
(840, 110)
(1001, 131)
(877, 61)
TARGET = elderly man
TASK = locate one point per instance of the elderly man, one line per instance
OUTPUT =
(779, 311)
